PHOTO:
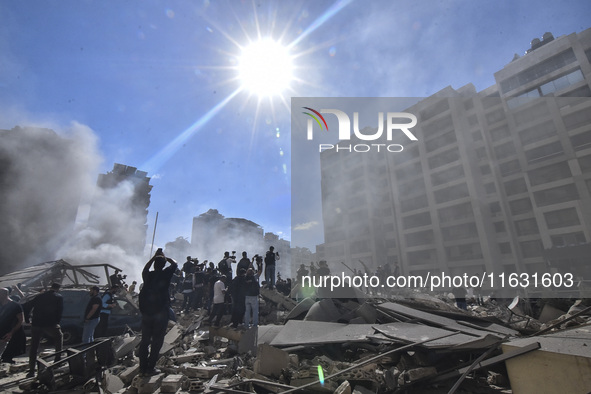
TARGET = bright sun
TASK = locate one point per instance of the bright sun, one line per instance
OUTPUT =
(265, 68)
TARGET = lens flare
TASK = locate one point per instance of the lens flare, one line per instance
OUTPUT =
(320, 375)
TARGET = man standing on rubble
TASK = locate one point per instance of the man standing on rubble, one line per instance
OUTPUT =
(108, 304)
(251, 299)
(47, 309)
(219, 293)
(154, 304)
(270, 259)
(12, 336)
(238, 297)
(91, 315)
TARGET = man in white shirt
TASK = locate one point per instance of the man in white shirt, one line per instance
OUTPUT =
(217, 310)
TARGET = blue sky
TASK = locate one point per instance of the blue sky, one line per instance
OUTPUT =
(157, 83)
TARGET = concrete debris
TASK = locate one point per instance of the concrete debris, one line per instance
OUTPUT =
(401, 344)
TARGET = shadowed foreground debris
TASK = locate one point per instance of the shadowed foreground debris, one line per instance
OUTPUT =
(415, 343)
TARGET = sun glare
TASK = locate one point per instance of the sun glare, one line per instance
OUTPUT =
(265, 68)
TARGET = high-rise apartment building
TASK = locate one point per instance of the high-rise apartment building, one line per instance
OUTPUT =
(498, 181)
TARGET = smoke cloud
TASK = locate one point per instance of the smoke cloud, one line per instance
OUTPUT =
(45, 178)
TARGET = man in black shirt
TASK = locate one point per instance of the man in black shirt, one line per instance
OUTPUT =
(47, 310)
(154, 304)
(12, 335)
(91, 315)
(270, 259)
(251, 297)
(238, 302)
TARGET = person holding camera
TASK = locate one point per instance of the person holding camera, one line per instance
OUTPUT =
(154, 303)
(109, 303)
(271, 258)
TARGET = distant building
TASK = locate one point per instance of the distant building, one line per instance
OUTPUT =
(119, 210)
(498, 181)
(213, 234)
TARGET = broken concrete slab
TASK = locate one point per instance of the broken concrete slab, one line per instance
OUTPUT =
(324, 310)
(249, 341)
(561, 365)
(129, 374)
(410, 333)
(344, 388)
(297, 332)
(268, 332)
(112, 383)
(147, 385)
(300, 309)
(278, 298)
(173, 383)
(445, 322)
(270, 361)
(201, 372)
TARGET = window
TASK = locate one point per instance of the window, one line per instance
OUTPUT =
(416, 220)
(543, 152)
(443, 158)
(515, 186)
(494, 208)
(550, 173)
(505, 150)
(510, 167)
(485, 169)
(556, 195)
(464, 252)
(526, 227)
(459, 231)
(522, 99)
(518, 207)
(495, 116)
(410, 171)
(500, 227)
(585, 163)
(451, 193)
(531, 248)
(422, 257)
(538, 132)
(577, 119)
(562, 218)
(477, 136)
(361, 246)
(562, 82)
(581, 141)
(490, 188)
(499, 133)
(570, 239)
(439, 178)
(434, 110)
(441, 140)
(537, 111)
(425, 237)
(545, 67)
(410, 204)
(505, 248)
(456, 212)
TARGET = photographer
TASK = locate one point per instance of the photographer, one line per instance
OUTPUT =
(108, 300)
(270, 259)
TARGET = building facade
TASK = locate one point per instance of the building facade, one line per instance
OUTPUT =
(498, 181)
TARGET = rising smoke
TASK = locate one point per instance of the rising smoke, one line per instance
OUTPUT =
(45, 177)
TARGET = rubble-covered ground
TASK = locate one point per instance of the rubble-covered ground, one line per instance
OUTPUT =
(405, 343)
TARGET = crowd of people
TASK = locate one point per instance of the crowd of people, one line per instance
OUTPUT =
(231, 287)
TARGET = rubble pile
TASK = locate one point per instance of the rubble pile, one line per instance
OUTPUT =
(406, 343)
